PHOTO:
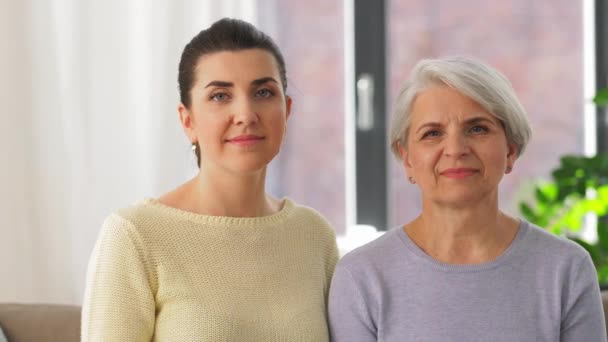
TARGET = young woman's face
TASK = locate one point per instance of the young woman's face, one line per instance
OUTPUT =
(238, 110)
(456, 151)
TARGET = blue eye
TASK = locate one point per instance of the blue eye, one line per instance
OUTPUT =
(219, 97)
(431, 134)
(478, 129)
(265, 93)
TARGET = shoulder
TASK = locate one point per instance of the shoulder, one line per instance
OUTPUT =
(122, 240)
(138, 212)
(313, 231)
(542, 242)
(309, 217)
(549, 254)
(364, 272)
(304, 212)
(134, 221)
(375, 255)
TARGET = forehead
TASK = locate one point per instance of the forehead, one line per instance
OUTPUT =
(444, 103)
(237, 65)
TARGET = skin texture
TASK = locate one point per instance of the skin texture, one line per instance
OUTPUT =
(457, 153)
(443, 138)
(238, 115)
(227, 102)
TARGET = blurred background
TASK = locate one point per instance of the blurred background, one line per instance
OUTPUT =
(88, 98)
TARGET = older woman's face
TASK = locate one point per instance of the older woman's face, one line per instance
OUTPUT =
(456, 151)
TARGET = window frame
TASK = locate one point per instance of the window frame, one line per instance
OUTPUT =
(370, 144)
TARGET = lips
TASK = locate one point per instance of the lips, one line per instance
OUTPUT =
(458, 173)
(246, 139)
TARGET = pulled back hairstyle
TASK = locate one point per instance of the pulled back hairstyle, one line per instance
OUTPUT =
(224, 35)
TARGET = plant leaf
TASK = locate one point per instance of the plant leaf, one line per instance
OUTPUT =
(573, 163)
(527, 212)
(602, 274)
(601, 99)
(602, 234)
(541, 196)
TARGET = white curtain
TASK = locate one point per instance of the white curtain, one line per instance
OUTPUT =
(88, 98)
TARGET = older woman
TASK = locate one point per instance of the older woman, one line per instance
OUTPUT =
(463, 270)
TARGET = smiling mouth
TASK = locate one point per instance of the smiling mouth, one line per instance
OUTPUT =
(246, 140)
(458, 173)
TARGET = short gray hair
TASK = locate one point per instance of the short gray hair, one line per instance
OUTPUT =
(472, 78)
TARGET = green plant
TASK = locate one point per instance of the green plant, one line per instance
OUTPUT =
(601, 99)
(579, 186)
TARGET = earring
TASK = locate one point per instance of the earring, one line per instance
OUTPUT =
(411, 179)
(509, 169)
(194, 146)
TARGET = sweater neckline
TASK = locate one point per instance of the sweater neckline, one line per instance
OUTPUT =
(507, 254)
(286, 209)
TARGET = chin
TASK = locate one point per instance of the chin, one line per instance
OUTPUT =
(249, 166)
(456, 194)
(462, 199)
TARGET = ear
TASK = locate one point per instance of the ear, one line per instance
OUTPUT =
(187, 120)
(405, 158)
(288, 106)
(511, 157)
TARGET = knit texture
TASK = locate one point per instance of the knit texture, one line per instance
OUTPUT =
(162, 274)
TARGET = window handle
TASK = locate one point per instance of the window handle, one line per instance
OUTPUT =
(365, 102)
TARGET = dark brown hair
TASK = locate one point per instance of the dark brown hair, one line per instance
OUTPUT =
(224, 35)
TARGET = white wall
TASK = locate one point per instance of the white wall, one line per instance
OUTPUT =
(88, 123)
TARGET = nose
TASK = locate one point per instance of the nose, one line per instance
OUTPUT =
(456, 145)
(245, 113)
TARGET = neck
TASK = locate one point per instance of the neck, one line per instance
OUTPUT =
(473, 234)
(236, 195)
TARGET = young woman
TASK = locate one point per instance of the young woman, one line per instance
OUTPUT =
(217, 259)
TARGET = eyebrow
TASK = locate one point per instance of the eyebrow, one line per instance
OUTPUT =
(225, 84)
(479, 119)
(471, 121)
(264, 80)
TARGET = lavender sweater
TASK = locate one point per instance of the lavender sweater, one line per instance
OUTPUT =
(542, 288)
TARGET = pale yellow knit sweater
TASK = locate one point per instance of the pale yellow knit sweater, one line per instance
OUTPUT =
(162, 274)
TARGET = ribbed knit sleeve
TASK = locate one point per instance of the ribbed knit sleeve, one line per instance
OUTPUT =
(119, 301)
(332, 259)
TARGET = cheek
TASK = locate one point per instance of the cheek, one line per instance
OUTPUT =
(208, 117)
(277, 120)
(428, 156)
(495, 159)
(423, 161)
(211, 131)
